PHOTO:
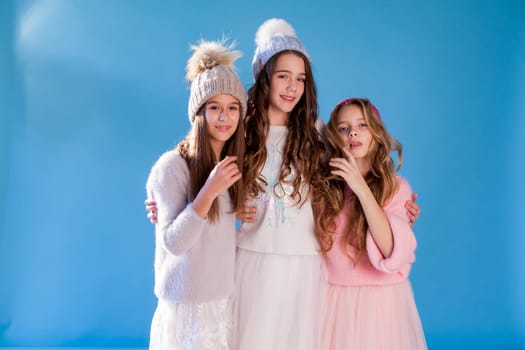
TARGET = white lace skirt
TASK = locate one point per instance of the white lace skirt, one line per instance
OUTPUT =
(192, 326)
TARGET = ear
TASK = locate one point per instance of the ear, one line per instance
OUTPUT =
(261, 65)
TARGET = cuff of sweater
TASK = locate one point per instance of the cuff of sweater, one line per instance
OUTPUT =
(194, 215)
(402, 252)
(187, 231)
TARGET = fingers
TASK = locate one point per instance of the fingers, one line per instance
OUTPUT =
(152, 217)
(149, 203)
(247, 214)
(235, 178)
(232, 169)
(413, 210)
(229, 170)
(151, 207)
(340, 167)
(339, 173)
(350, 156)
(232, 174)
(343, 168)
(340, 163)
(411, 218)
(228, 164)
(227, 160)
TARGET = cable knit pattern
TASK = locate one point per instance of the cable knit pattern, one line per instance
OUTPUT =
(194, 259)
(281, 226)
(373, 268)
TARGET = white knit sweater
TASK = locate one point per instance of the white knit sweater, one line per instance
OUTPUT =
(194, 259)
(281, 226)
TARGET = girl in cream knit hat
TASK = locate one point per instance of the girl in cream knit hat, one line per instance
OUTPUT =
(198, 187)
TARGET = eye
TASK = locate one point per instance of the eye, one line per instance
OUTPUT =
(234, 108)
(301, 80)
(282, 76)
(343, 130)
(363, 125)
(212, 107)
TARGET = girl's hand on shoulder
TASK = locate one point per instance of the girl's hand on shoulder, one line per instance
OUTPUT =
(348, 169)
(151, 208)
(225, 174)
(413, 210)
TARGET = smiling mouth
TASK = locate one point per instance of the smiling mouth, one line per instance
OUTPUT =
(288, 98)
(223, 128)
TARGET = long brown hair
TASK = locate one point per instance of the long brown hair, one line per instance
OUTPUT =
(197, 151)
(328, 200)
(303, 148)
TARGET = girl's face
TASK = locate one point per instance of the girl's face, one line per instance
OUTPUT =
(286, 84)
(353, 131)
(222, 118)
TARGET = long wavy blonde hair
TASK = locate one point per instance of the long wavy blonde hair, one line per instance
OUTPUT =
(329, 198)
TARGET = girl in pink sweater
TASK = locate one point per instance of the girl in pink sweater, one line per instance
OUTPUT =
(366, 237)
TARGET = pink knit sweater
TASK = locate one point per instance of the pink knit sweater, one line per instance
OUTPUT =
(373, 268)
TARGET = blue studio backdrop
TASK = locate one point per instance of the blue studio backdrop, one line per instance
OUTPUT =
(92, 92)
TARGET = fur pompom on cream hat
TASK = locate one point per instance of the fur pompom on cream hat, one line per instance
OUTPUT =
(210, 71)
(273, 36)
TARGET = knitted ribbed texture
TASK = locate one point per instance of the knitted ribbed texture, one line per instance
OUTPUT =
(272, 37)
(220, 79)
(194, 259)
(281, 226)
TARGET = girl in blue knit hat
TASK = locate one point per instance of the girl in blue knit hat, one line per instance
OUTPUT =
(278, 266)
(279, 276)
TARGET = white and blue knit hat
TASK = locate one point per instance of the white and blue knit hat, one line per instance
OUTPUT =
(273, 36)
(210, 72)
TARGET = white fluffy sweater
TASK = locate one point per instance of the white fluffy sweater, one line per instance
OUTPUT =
(194, 259)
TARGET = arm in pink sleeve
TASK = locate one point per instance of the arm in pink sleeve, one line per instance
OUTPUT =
(404, 240)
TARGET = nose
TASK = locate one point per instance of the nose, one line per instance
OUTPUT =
(352, 133)
(222, 116)
(292, 85)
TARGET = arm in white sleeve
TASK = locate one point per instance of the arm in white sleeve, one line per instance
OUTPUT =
(178, 224)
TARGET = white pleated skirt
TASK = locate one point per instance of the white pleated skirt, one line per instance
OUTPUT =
(192, 326)
(277, 301)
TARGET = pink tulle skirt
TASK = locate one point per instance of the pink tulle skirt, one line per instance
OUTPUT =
(371, 318)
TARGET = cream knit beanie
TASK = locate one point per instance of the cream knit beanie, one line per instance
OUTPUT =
(210, 72)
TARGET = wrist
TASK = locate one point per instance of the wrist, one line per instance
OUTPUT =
(210, 191)
(363, 191)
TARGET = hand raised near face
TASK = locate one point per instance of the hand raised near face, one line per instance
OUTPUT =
(223, 175)
(348, 169)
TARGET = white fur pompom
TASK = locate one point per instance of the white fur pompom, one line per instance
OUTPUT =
(208, 54)
(271, 27)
